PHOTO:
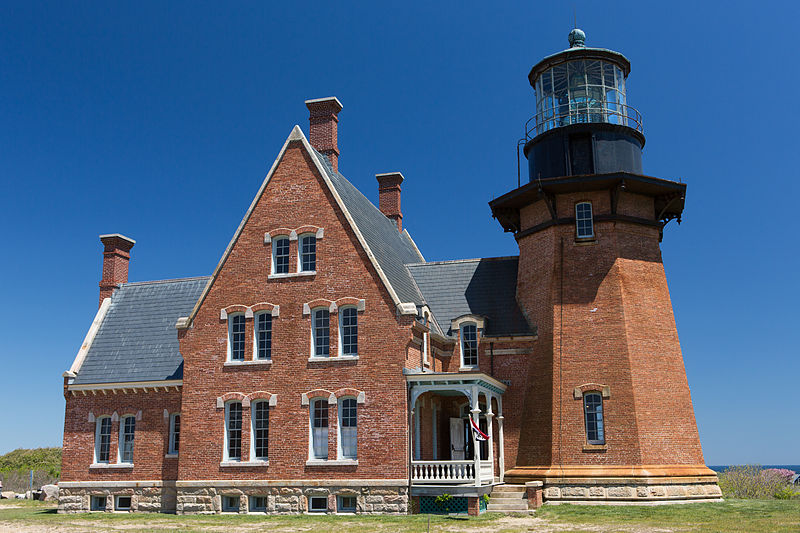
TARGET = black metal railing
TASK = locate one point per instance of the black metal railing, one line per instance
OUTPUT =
(583, 113)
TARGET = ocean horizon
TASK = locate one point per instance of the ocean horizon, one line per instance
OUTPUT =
(721, 468)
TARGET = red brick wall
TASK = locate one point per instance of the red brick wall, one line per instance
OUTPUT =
(296, 197)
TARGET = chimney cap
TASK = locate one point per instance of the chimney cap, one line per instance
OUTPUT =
(109, 236)
(319, 102)
(390, 177)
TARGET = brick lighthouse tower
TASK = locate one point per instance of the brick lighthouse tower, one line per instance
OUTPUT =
(608, 413)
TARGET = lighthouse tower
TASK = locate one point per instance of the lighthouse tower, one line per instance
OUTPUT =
(608, 414)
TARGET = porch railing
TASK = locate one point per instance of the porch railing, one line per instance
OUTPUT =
(454, 472)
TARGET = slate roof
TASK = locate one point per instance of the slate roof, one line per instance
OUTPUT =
(137, 340)
(391, 248)
(484, 287)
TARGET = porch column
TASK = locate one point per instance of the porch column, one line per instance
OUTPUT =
(501, 460)
(489, 417)
(476, 452)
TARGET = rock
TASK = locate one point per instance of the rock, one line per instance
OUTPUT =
(49, 493)
(19, 496)
(8, 495)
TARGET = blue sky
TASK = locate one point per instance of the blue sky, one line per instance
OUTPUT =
(159, 121)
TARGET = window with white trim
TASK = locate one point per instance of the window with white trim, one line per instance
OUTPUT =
(259, 412)
(321, 332)
(98, 503)
(102, 440)
(127, 430)
(307, 252)
(233, 431)
(236, 337)
(174, 432)
(348, 428)
(348, 331)
(280, 255)
(584, 225)
(122, 503)
(469, 344)
(263, 336)
(593, 413)
(317, 504)
(319, 428)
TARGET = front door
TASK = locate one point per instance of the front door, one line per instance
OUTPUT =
(457, 439)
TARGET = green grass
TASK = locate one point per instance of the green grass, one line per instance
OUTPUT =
(733, 515)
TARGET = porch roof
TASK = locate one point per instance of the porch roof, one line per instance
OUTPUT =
(464, 381)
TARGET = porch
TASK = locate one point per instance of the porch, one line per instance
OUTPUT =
(446, 453)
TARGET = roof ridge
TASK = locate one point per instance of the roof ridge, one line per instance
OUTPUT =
(171, 280)
(453, 261)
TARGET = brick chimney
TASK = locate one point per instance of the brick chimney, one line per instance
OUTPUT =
(324, 121)
(389, 196)
(116, 256)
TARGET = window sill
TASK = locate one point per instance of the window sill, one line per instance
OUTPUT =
(595, 447)
(332, 462)
(111, 465)
(244, 464)
(469, 368)
(171, 456)
(292, 275)
(341, 358)
(266, 362)
(585, 241)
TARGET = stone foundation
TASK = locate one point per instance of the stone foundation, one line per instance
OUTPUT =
(631, 492)
(153, 497)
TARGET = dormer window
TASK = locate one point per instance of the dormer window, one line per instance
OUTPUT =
(236, 337)
(280, 255)
(584, 225)
(469, 345)
(307, 262)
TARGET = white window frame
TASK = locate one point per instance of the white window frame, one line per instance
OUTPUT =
(253, 409)
(340, 347)
(173, 450)
(116, 502)
(311, 498)
(339, 427)
(274, 246)
(256, 342)
(231, 319)
(122, 434)
(300, 240)
(98, 424)
(311, 404)
(462, 327)
(314, 332)
(226, 443)
(579, 219)
(95, 498)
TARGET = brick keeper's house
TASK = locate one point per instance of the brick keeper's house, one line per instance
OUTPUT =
(326, 366)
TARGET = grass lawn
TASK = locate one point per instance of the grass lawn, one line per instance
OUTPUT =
(732, 515)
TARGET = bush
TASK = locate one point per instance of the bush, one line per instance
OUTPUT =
(752, 482)
(15, 468)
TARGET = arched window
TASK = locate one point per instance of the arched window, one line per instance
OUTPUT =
(307, 261)
(593, 411)
(469, 345)
(102, 439)
(280, 255)
(263, 336)
(348, 331)
(584, 226)
(236, 337)
(348, 428)
(233, 431)
(321, 332)
(260, 437)
(319, 428)
(127, 429)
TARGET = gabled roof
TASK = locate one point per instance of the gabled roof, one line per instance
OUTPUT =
(485, 287)
(137, 340)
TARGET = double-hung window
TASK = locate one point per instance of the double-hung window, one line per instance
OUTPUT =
(348, 331)
(307, 262)
(233, 431)
(127, 429)
(260, 414)
(321, 332)
(319, 428)
(584, 226)
(280, 255)
(469, 345)
(236, 337)
(263, 333)
(593, 411)
(348, 428)
(102, 440)
(174, 432)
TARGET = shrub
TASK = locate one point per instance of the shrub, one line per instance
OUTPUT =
(786, 493)
(751, 482)
(784, 473)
